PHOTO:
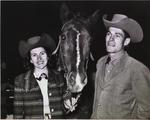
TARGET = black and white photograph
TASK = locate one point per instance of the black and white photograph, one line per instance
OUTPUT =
(75, 59)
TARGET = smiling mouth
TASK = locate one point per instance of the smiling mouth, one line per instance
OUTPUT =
(111, 44)
(39, 63)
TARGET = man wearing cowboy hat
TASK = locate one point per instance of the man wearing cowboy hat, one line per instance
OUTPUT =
(38, 92)
(122, 83)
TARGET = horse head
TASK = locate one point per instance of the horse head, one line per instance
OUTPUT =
(74, 47)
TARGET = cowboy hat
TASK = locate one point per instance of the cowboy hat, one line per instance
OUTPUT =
(37, 41)
(127, 24)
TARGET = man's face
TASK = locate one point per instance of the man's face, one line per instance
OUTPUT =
(114, 40)
(39, 57)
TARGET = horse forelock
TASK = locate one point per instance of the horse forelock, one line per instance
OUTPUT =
(78, 23)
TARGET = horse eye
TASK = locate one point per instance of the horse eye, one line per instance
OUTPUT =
(63, 37)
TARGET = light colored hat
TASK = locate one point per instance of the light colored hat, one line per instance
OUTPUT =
(127, 24)
(37, 41)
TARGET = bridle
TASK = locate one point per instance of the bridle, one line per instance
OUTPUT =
(64, 66)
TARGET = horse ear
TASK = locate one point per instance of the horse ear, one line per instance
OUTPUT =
(94, 17)
(64, 13)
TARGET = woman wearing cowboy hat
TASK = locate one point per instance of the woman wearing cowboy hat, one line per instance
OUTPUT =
(38, 92)
(122, 84)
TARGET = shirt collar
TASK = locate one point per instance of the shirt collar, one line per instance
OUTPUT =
(118, 59)
(37, 74)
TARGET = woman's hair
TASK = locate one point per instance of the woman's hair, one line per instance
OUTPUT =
(29, 66)
(26, 62)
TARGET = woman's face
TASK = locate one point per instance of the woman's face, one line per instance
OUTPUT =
(39, 57)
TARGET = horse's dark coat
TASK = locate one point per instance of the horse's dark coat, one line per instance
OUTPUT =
(74, 51)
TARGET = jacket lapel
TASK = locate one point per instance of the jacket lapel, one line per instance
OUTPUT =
(114, 72)
(53, 79)
(101, 73)
(119, 66)
(30, 81)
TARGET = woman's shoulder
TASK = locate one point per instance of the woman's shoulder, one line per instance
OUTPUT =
(20, 79)
(21, 75)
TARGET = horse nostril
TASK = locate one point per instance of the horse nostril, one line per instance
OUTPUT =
(84, 78)
(72, 80)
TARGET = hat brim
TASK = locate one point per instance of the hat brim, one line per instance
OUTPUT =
(45, 41)
(128, 25)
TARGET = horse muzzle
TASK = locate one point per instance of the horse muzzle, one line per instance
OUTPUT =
(76, 81)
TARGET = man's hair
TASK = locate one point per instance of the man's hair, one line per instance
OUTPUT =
(126, 34)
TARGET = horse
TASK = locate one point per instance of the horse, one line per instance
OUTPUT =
(74, 54)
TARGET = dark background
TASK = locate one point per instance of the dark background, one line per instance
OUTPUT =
(22, 20)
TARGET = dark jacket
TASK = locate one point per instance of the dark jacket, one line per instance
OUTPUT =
(28, 100)
(125, 93)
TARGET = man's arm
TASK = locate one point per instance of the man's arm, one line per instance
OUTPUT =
(141, 89)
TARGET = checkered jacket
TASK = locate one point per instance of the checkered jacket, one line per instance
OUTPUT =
(28, 100)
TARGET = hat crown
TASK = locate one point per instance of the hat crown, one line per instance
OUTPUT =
(37, 41)
(33, 40)
(118, 17)
(127, 24)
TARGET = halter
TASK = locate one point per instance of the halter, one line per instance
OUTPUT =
(58, 48)
(64, 67)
